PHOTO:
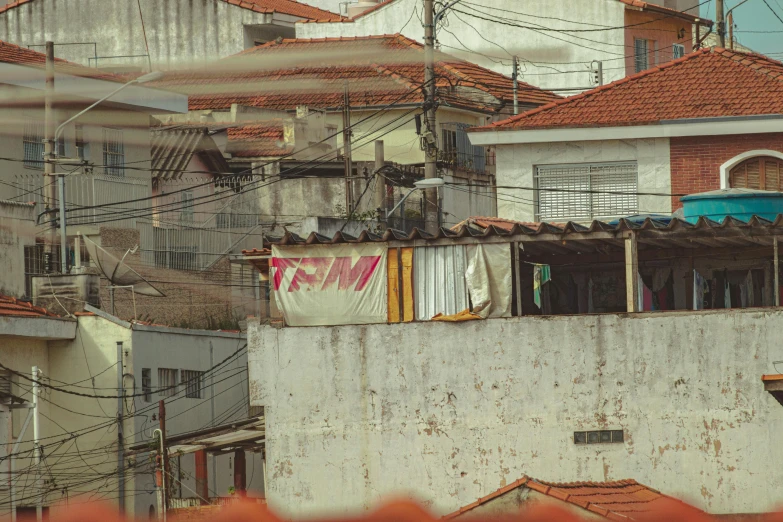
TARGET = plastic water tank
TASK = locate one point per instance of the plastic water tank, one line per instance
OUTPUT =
(738, 203)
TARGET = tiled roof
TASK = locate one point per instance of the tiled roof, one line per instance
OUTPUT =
(750, 85)
(258, 140)
(289, 7)
(14, 54)
(500, 223)
(12, 307)
(619, 500)
(380, 70)
(645, 6)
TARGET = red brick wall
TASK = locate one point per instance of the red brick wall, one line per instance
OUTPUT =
(695, 162)
(664, 31)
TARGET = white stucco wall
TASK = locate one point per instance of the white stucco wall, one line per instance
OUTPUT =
(516, 168)
(542, 54)
(447, 413)
(178, 32)
(17, 230)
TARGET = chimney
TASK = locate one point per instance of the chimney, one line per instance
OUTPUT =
(357, 8)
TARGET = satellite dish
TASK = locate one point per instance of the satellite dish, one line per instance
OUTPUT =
(117, 272)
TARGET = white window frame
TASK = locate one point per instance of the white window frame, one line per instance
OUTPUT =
(641, 59)
(113, 152)
(593, 201)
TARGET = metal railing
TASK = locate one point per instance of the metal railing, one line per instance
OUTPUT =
(457, 151)
(410, 215)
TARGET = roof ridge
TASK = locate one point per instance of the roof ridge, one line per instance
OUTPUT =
(601, 88)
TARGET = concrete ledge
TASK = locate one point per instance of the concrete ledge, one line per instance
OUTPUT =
(45, 328)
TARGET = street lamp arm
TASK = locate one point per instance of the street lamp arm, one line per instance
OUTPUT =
(77, 115)
(400, 202)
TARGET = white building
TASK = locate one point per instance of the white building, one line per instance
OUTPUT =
(555, 42)
(368, 393)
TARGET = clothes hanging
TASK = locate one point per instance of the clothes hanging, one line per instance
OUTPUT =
(541, 276)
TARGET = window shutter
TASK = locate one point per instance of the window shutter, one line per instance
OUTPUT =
(5, 382)
(772, 173)
(759, 173)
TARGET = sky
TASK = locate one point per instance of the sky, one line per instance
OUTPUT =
(754, 15)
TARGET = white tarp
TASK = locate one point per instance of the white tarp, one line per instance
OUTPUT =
(489, 279)
(323, 285)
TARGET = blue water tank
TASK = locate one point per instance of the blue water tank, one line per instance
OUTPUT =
(738, 203)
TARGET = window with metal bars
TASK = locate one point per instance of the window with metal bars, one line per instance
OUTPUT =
(146, 384)
(193, 383)
(167, 382)
(586, 191)
(186, 214)
(32, 140)
(641, 54)
(113, 152)
(678, 51)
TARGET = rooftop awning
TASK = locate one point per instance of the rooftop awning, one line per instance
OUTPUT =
(246, 434)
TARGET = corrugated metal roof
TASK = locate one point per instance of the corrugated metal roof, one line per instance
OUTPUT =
(557, 231)
(173, 148)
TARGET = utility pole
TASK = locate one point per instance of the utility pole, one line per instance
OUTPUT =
(164, 457)
(120, 434)
(515, 77)
(37, 447)
(48, 142)
(347, 151)
(380, 181)
(430, 126)
(719, 23)
(730, 22)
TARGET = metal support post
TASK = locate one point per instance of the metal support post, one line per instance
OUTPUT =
(515, 77)
(720, 25)
(430, 127)
(120, 434)
(37, 446)
(347, 151)
(63, 236)
(48, 142)
(777, 272)
(380, 181)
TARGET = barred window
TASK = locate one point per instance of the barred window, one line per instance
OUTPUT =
(187, 207)
(678, 51)
(113, 152)
(193, 383)
(167, 382)
(33, 146)
(586, 191)
(146, 384)
(641, 54)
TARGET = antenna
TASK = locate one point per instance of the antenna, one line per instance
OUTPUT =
(118, 273)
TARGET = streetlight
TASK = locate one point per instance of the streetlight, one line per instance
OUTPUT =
(426, 183)
(149, 77)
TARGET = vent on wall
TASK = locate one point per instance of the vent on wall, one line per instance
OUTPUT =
(598, 437)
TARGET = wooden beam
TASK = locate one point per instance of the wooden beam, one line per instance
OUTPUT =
(631, 273)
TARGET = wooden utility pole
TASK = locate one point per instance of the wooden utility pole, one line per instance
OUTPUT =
(50, 190)
(347, 151)
(380, 181)
(720, 24)
(430, 126)
(164, 457)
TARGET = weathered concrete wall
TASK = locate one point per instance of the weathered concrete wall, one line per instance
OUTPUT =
(451, 412)
(17, 230)
(492, 44)
(178, 32)
(516, 167)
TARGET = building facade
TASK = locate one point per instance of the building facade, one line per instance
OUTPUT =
(154, 35)
(607, 153)
(628, 36)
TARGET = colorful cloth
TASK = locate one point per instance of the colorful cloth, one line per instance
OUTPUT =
(541, 276)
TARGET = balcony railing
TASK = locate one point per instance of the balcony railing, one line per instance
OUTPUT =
(457, 151)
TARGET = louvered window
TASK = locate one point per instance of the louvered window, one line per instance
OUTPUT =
(760, 173)
(641, 54)
(586, 191)
(5, 382)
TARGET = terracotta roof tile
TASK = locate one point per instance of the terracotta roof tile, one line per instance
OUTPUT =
(751, 85)
(619, 500)
(258, 140)
(289, 7)
(771, 378)
(501, 223)
(12, 307)
(381, 70)
(14, 54)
